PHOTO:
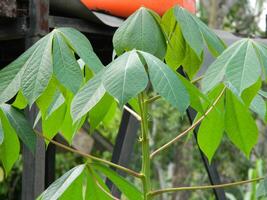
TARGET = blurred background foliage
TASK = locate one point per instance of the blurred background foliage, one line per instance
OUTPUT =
(181, 165)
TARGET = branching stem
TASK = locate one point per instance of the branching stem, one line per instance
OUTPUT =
(190, 128)
(204, 187)
(128, 171)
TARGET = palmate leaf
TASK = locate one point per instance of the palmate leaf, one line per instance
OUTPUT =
(61, 185)
(166, 82)
(10, 146)
(196, 33)
(125, 77)
(239, 66)
(258, 105)
(141, 31)
(66, 68)
(20, 125)
(240, 127)
(89, 95)
(127, 188)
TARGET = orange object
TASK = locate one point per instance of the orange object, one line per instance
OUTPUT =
(124, 8)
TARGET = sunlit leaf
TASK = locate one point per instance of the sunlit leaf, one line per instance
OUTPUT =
(10, 147)
(127, 188)
(239, 124)
(61, 185)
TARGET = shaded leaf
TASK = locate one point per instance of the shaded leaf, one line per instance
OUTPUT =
(89, 95)
(140, 31)
(262, 189)
(38, 70)
(167, 83)
(238, 65)
(81, 45)
(65, 66)
(258, 105)
(21, 126)
(125, 77)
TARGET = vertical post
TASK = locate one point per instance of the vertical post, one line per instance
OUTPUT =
(33, 175)
(124, 145)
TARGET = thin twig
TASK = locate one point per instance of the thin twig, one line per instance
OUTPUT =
(190, 128)
(132, 112)
(204, 187)
(129, 171)
(152, 99)
(197, 79)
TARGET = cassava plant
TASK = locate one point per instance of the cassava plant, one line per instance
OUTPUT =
(149, 51)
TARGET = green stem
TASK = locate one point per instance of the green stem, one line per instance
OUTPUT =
(145, 145)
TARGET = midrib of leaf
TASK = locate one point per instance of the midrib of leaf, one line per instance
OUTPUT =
(124, 78)
(243, 71)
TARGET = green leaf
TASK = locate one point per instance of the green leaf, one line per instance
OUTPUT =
(38, 70)
(89, 95)
(81, 45)
(262, 50)
(262, 189)
(20, 102)
(258, 105)
(2, 136)
(53, 121)
(166, 82)
(57, 102)
(93, 190)
(194, 94)
(195, 33)
(141, 31)
(249, 94)
(176, 43)
(60, 186)
(21, 126)
(65, 66)
(10, 76)
(190, 30)
(75, 190)
(238, 66)
(9, 149)
(211, 129)
(239, 124)
(99, 112)
(127, 188)
(70, 128)
(125, 77)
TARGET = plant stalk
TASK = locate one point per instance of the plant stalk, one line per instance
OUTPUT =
(145, 145)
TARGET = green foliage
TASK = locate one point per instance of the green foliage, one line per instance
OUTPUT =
(49, 75)
(262, 189)
(120, 77)
(141, 31)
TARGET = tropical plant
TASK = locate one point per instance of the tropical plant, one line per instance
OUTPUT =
(150, 51)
